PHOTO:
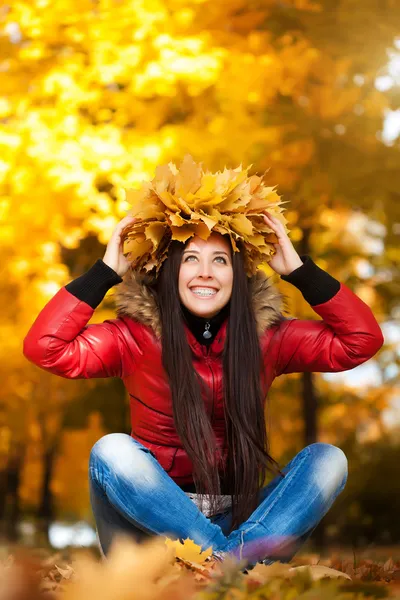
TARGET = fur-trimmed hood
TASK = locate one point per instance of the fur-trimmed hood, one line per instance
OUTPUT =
(135, 298)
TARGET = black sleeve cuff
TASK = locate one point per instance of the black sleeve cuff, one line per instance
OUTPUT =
(316, 285)
(92, 286)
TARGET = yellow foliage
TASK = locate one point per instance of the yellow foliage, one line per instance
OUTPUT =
(94, 98)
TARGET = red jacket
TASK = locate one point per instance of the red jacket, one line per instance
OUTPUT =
(129, 346)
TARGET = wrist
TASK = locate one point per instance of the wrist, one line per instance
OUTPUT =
(296, 264)
(92, 286)
(316, 285)
(109, 264)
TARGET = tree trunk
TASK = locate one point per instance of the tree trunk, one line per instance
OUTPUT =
(13, 483)
(10, 479)
(310, 409)
(309, 392)
(3, 493)
(46, 507)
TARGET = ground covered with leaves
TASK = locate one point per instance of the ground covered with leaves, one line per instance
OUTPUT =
(171, 570)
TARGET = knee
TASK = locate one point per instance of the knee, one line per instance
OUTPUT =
(112, 449)
(121, 455)
(331, 463)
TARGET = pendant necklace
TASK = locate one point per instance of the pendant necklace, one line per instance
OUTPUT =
(206, 333)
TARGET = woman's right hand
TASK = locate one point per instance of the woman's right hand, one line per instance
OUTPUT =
(114, 257)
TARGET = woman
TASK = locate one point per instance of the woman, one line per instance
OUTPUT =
(180, 339)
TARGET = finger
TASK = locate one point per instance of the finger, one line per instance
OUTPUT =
(278, 223)
(269, 221)
(275, 220)
(279, 228)
(271, 217)
(126, 221)
(281, 235)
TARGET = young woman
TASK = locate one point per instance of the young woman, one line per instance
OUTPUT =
(198, 348)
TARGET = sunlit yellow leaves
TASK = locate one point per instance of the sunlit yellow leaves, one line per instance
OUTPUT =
(375, 104)
(5, 108)
(366, 293)
(328, 104)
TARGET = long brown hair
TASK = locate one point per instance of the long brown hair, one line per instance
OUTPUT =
(244, 472)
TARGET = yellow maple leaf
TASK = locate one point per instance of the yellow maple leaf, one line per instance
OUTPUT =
(188, 550)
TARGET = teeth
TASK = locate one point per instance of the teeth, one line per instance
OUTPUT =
(203, 292)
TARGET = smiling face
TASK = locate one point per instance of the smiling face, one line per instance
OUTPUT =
(206, 275)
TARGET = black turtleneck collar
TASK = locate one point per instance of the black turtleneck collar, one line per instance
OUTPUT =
(197, 324)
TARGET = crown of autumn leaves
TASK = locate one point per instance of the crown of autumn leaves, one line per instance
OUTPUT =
(181, 203)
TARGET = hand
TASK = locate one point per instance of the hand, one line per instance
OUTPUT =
(114, 257)
(286, 258)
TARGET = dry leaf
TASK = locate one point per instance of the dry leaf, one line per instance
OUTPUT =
(67, 573)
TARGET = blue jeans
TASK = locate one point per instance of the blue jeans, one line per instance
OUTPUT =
(132, 493)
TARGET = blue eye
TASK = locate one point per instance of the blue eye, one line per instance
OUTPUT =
(193, 256)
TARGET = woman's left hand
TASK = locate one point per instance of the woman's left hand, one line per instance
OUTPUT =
(286, 258)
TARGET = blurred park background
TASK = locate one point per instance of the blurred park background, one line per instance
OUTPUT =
(95, 94)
